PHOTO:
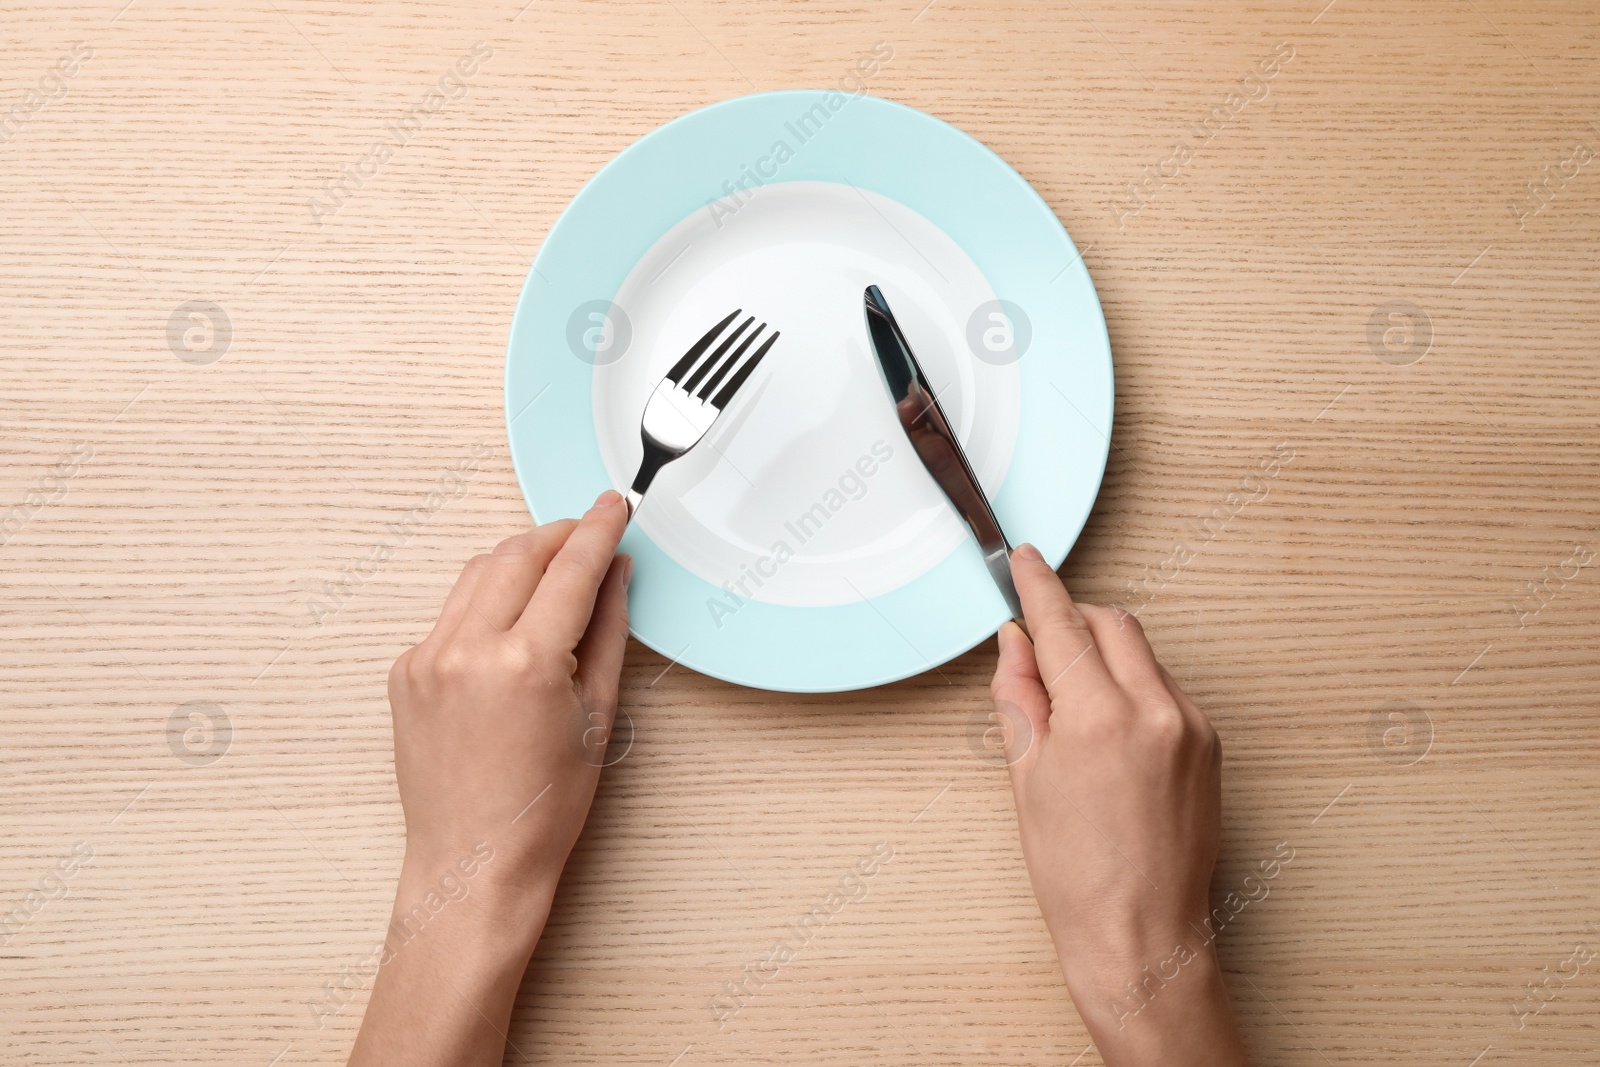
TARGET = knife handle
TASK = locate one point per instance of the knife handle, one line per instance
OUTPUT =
(999, 563)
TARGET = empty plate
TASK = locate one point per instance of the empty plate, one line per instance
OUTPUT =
(801, 546)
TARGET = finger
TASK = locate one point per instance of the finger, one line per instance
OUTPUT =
(1019, 695)
(1198, 720)
(1190, 709)
(600, 650)
(1016, 675)
(558, 614)
(1126, 652)
(455, 604)
(1069, 663)
(513, 572)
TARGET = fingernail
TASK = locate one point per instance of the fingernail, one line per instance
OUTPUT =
(607, 499)
(627, 570)
(1028, 552)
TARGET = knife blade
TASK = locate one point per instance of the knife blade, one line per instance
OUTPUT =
(935, 443)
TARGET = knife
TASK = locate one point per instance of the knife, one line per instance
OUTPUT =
(929, 431)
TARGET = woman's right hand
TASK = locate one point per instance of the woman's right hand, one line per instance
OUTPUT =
(1117, 779)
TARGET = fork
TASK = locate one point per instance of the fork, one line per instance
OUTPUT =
(694, 392)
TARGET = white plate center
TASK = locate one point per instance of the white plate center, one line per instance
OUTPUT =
(806, 492)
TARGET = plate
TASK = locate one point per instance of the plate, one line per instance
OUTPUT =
(801, 546)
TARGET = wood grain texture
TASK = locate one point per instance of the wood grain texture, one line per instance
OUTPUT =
(1390, 562)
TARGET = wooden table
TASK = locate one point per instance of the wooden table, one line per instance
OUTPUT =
(217, 397)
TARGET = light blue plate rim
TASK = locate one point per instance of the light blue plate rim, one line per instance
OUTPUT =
(954, 181)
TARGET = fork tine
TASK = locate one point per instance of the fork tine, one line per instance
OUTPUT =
(714, 358)
(721, 399)
(711, 383)
(680, 368)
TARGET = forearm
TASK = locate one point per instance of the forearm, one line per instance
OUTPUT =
(1173, 1008)
(450, 972)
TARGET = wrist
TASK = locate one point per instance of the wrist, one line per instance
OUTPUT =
(469, 900)
(1172, 1007)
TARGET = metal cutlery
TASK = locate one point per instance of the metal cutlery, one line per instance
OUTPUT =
(935, 443)
(695, 391)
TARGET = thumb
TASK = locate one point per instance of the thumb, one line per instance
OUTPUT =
(600, 650)
(1020, 699)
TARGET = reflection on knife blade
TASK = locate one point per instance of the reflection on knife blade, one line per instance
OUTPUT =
(930, 435)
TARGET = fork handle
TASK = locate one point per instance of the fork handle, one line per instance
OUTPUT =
(655, 457)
